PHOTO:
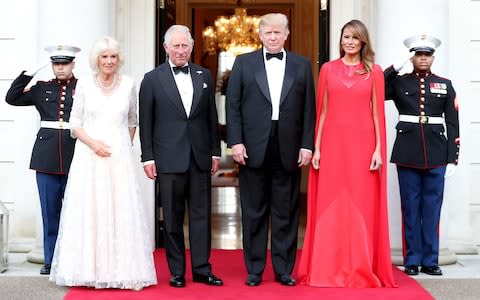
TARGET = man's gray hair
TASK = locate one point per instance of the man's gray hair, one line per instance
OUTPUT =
(174, 29)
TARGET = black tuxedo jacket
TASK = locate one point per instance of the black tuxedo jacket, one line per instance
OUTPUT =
(249, 108)
(167, 135)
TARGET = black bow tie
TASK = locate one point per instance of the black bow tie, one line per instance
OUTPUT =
(278, 55)
(183, 69)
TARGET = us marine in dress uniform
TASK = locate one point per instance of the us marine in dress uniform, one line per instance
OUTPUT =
(425, 151)
(53, 149)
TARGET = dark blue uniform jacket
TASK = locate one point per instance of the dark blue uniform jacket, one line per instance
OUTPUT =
(423, 145)
(53, 149)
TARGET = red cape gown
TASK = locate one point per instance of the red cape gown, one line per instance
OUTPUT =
(346, 241)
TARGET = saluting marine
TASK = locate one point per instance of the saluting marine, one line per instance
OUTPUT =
(425, 151)
(53, 149)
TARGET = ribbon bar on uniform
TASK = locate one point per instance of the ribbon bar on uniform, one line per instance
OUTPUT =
(55, 124)
(420, 119)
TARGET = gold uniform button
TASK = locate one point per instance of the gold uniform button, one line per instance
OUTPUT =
(64, 87)
(422, 86)
(422, 91)
(61, 113)
(62, 105)
(422, 106)
(63, 93)
(62, 98)
(422, 113)
(60, 120)
(422, 80)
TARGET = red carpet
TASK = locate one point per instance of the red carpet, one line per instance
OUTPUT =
(228, 264)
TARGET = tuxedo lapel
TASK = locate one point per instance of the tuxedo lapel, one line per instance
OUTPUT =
(261, 74)
(171, 91)
(198, 81)
(288, 78)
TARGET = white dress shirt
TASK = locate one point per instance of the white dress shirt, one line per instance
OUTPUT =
(275, 72)
(184, 86)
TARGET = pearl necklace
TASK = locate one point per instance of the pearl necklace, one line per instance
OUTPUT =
(107, 88)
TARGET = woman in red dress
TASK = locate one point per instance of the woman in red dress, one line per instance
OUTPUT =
(346, 240)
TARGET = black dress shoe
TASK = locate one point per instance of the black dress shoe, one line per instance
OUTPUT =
(45, 270)
(177, 281)
(411, 270)
(209, 279)
(285, 279)
(435, 270)
(253, 280)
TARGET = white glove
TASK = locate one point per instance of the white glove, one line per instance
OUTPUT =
(399, 64)
(34, 70)
(450, 170)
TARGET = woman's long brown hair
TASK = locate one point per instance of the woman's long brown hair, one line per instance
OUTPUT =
(360, 31)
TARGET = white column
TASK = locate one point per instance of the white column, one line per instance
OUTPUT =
(79, 23)
(396, 20)
(135, 30)
(343, 11)
(73, 22)
(460, 188)
(18, 125)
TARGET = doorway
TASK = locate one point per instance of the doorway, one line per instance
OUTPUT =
(308, 21)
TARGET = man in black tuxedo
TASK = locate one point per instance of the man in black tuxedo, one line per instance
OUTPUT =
(270, 128)
(181, 149)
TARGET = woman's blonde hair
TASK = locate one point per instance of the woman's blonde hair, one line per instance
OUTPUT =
(367, 55)
(105, 44)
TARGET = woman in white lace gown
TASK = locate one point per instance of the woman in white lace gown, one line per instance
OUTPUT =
(103, 241)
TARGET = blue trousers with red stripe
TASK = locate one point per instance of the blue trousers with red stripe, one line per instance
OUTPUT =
(51, 188)
(421, 193)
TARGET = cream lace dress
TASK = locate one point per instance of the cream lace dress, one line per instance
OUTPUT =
(103, 240)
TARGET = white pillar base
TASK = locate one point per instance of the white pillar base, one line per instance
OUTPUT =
(463, 248)
(21, 245)
(36, 256)
(445, 257)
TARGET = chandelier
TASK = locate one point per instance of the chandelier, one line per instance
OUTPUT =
(235, 34)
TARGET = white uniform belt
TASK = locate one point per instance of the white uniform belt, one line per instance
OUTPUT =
(55, 124)
(420, 119)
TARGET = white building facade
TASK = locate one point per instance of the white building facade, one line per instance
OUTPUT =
(27, 26)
